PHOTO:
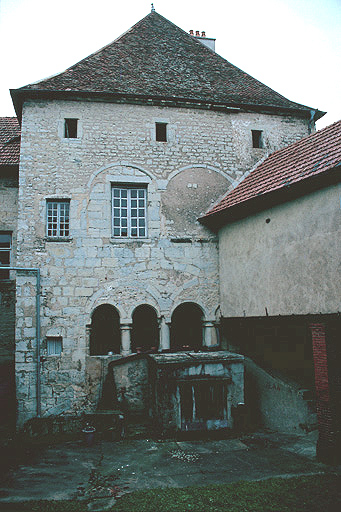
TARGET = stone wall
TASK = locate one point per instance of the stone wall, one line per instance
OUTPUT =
(176, 263)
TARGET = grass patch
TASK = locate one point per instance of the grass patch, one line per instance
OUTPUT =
(302, 494)
(317, 493)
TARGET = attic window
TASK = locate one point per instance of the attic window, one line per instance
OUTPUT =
(161, 132)
(70, 128)
(257, 139)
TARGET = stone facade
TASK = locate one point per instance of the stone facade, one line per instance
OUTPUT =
(176, 263)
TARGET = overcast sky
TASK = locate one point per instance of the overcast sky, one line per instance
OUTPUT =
(293, 46)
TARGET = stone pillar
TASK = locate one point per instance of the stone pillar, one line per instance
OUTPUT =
(126, 339)
(210, 335)
(325, 448)
(164, 334)
(87, 338)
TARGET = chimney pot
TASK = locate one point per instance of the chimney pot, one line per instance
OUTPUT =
(197, 33)
(191, 32)
(203, 34)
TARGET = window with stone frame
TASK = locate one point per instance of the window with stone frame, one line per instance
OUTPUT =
(70, 128)
(129, 211)
(257, 139)
(5, 252)
(58, 218)
(54, 345)
(161, 132)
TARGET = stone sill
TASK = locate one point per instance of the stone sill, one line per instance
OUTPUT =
(122, 240)
(58, 239)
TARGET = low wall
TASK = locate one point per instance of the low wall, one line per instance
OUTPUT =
(275, 404)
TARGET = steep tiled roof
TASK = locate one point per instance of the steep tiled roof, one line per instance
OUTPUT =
(9, 141)
(157, 59)
(310, 157)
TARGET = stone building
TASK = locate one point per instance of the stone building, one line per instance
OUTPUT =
(120, 155)
(9, 166)
(279, 229)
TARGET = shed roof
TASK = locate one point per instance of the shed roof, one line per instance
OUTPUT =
(157, 59)
(311, 157)
(9, 141)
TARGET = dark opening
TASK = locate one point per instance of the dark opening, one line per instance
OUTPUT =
(145, 330)
(70, 131)
(186, 327)
(5, 253)
(161, 132)
(202, 401)
(257, 139)
(105, 331)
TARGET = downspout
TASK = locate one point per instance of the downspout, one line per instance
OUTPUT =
(311, 123)
(37, 272)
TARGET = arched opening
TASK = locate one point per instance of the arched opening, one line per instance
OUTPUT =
(105, 331)
(186, 327)
(145, 329)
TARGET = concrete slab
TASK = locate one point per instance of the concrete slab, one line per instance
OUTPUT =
(107, 469)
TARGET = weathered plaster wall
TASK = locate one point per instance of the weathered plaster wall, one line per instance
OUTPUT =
(290, 265)
(177, 262)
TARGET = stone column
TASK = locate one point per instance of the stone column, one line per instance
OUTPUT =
(210, 335)
(87, 338)
(125, 339)
(164, 334)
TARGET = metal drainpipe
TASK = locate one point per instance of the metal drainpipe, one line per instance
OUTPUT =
(37, 272)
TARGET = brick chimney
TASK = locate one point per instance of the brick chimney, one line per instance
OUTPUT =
(206, 41)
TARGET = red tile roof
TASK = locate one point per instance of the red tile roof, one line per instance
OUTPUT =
(310, 157)
(157, 59)
(9, 141)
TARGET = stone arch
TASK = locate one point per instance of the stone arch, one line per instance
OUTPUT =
(190, 192)
(225, 174)
(145, 329)
(103, 296)
(132, 165)
(186, 331)
(105, 334)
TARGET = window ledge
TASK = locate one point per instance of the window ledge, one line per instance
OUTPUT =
(114, 240)
(58, 239)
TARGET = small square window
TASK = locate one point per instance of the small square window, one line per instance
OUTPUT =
(70, 128)
(5, 253)
(58, 218)
(54, 346)
(257, 138)
(161, 132)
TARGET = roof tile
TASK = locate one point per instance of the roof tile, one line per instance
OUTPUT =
(310, 156)
(9, 141)
(155, 58)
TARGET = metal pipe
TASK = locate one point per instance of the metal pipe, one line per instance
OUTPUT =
(37, 272)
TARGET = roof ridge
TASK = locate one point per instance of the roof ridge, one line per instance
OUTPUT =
(149, 60)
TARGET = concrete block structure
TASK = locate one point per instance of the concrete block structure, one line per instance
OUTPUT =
(120, 155)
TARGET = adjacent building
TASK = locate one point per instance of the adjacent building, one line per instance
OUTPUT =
(279, 271)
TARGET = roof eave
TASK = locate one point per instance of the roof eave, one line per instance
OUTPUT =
(215, 221)
(22, 94)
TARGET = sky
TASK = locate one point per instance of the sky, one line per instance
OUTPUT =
(292, 46)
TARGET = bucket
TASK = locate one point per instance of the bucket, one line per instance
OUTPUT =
(89, 435)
